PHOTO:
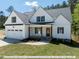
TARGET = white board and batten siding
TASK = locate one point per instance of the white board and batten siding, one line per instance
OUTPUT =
(61, 21)
(15, 31)
(18, 20)
(41, 12)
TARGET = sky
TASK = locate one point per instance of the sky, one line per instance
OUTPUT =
(26, 5)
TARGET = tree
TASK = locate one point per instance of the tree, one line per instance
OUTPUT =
(57, 6)
(76, 13)
(64, 4)
(2, 19)
(10, 9)
(48, 7)
(72, 4)
(76, 19)
(1, 13)
(52, 6)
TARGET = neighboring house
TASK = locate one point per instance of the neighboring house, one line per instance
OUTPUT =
(55, 23)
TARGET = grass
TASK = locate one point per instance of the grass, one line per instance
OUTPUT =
(44, 50)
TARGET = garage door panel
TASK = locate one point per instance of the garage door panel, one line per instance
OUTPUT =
(15, 34)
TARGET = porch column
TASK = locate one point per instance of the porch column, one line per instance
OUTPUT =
(41, 31)
(51, 30)
(29, 30)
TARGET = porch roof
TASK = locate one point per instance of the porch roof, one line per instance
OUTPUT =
(37, 25)
(42, 23)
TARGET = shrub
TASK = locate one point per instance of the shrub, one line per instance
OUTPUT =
(35, 38)
(25, 40)
(56, 40)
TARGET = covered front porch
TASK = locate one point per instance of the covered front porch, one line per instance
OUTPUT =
(40, 30)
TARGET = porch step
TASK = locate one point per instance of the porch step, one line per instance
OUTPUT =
(45, 39)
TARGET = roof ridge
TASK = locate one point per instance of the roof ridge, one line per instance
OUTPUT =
(54, 13)
(57, 8)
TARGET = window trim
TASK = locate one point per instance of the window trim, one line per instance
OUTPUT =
(20, 30)
(42, 18)
(60, 30)
(12, 30)
(13, 19)
(37, 29)
(38, 18)
(9, 30)
(16, 30)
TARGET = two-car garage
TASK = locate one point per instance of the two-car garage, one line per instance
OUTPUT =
(16, 32)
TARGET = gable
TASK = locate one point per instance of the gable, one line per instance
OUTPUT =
(61, 20)
(66, 12)
(41, 12)
(9, 20)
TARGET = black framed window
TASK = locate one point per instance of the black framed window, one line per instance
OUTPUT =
(36, 30)
(13, 19)
(43, 19)
(8, 30)
(12, 30)
(16, 30)
(60, 30)
(20, 30)
(38, 19)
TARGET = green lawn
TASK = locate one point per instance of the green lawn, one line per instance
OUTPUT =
(44, 50)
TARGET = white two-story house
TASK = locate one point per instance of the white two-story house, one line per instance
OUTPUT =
(55, 23)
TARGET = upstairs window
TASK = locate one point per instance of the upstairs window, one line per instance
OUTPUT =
(38, 19)
(13, 19)
(60, 30)
(43, 19)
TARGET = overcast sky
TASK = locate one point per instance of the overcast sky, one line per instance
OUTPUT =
(25, 5)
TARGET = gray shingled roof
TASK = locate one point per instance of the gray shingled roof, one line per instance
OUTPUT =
(54, 13)
(22, 16)
(61, 11)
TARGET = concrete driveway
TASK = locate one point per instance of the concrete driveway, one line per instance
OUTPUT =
(6, 42)
(3, 43)
(36, 43)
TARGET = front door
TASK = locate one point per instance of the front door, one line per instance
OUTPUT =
(48, 32)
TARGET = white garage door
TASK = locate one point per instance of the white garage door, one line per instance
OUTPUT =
(17, 34)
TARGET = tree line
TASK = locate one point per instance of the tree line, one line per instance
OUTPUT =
(75, 17)
(64, 4)
(3, 18)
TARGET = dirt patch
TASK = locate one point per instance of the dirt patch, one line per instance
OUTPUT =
(2, 34)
